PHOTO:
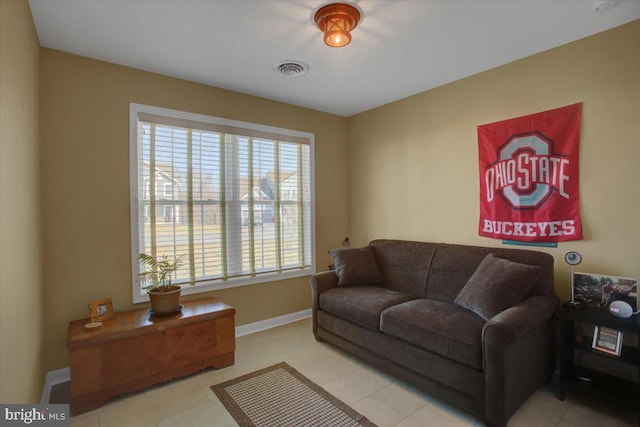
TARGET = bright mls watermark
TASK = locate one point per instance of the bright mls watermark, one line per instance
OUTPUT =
(34, 415)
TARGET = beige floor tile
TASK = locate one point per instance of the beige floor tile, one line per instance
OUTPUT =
(219, 375)
(89, 419)
(454, 410)
(413, 389)
(296, 333)
(526, 418)
(250, 352)
(133, 415)
(124, 399)
(211, 414)
(434, 415)
(174, 387)
(267, 349)
(542, 409)
(390, 405)
(299, 338)
(356, 385)
(307, 355)
(380, 414)
(403, 399)
(160, 403)
(379, 372)
(329, 369)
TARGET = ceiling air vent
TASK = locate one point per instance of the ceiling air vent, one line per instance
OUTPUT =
(292, 68)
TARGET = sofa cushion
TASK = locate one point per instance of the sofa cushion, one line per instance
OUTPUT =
(496, 285)
(453, 266)
(356, 267)
(394, 355)
(439, 327)
(361, 305)
(394, 256)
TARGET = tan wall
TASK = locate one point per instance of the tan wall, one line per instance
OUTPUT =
(85, 185)
(414, 163)
(21, 294)
(426, 145)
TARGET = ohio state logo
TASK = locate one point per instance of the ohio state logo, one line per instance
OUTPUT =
(526, 172)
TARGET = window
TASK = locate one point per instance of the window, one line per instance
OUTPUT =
(168, 190)
(234, 200)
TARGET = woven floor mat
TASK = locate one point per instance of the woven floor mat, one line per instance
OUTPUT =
(280, 396)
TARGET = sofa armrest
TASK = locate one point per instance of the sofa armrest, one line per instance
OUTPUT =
(320, 282)
(516, 321)
(518, 347)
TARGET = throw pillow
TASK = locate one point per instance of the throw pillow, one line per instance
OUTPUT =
(356, 267)
(496, 285)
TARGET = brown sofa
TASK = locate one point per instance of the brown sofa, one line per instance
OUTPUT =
(471, 325)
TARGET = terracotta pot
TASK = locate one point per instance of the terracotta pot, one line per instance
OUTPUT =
(166, 301)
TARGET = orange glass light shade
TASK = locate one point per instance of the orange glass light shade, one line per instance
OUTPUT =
(336, 21)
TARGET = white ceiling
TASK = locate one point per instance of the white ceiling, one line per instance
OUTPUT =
(400, 48)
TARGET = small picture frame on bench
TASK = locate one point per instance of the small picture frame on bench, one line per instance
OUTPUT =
(101, 310)
(607, 340)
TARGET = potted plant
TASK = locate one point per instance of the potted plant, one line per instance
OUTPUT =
(164, 297)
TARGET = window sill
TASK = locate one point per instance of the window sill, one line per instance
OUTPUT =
(215, 285)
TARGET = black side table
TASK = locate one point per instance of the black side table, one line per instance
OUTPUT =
(568, 348)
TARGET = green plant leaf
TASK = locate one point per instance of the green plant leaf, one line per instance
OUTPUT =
(157, 272)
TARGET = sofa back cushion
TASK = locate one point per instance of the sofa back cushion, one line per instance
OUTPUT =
(356, 267)
(453, 265)
(405, 264)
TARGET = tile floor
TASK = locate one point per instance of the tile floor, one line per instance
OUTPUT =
(384, 400)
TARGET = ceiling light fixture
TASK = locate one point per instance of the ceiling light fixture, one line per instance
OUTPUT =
(336, 21)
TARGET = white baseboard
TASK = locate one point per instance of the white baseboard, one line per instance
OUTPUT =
(274, 322)
(53, 377)
(63, 375)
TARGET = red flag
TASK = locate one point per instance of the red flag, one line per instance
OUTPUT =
(529, 177)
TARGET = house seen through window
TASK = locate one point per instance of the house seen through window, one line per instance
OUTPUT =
(233, 200)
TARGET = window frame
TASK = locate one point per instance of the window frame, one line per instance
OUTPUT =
(169, 193)
(135, 109)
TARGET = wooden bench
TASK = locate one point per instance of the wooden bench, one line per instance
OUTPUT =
(134, 350)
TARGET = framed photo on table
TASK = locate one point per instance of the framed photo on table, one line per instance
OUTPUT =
(607, 340)
(101, 310)
(601, 290)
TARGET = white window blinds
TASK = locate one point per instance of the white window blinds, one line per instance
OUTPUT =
(232, 199)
